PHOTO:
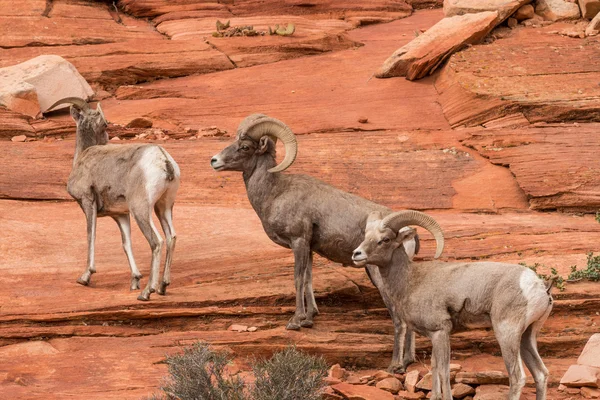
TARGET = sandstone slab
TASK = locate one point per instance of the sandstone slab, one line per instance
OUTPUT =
(482, 378)
(33, 86)
(425, 383)
(581, 375)
(590, 393)
(410, 380)
(590, 354)
(460, 390)
(14, 124)
(560, 176)
(505, 8)
(589, 8)
(594, 26)
(556, 10)
(404, 395)
(473, 90)
(362, 392)
(392, 385)
(424, 54)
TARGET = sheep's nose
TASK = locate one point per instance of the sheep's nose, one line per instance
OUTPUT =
(213, 161)
(357, 253)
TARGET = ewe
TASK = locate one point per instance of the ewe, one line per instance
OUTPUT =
(435, 298)
(306, 215)
(116, 180)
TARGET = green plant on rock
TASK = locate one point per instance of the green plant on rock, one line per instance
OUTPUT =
(283, 31)
(590, 273)
(289, 375)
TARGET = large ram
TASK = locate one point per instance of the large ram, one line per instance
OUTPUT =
(306, 215)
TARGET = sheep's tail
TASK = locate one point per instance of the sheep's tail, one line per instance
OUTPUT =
(549, 283)
(168, 166)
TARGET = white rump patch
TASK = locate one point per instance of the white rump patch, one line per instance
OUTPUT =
(534, 291)
(152, 164)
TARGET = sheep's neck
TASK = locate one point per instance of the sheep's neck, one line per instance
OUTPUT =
(260, 182)
(83, 141)
(396, 275)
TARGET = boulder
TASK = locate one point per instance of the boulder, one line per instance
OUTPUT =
(424, 54)
(589, 8)
(556, 10)
(594, 26)
(591, 352)
(460, 390)
(492, 392)
(392, 385)
(482, 378)
(581, 375)
(362, 392)
(505, 8)
(34, 85)
(524, 12)
(410, 380)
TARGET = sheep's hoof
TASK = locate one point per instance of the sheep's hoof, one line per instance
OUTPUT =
(83, 282)
(143, 297)
(162, 290)
(292, 326)
(307, 323)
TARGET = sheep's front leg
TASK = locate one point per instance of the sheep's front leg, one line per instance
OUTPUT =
(301, 250)
(404, 350)
(440, 366)
(89, 208)
(309, 295)
(125, 228)
(144, 220)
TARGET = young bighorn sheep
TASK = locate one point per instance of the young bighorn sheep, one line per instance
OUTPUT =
(306, 215)
(116, 180)
(435, 298)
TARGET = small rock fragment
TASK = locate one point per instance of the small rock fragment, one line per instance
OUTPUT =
(238, 328)
(358, 392)
(593, 28)
(380, 375)
(425, 383)
(404, 395)
(512, 23)
(252, 329)
(330, 381)
(461, 390)
(482, 378)
(353, 380)
(492, 392)
(20, 138)
(391, 385)
(455, 367)
(556, 10)
(115, 139)
(336, 371)
(411, 380)
(524, 12)
(590, 393)
(581, 375)
(363, 120)
(139, 122)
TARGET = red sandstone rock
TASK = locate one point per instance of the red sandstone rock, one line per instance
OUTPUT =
(590, 355)
(460, 390)
(594, 26)
(411, 380)
(381, 375)
(361, 392)
(424, 54)
(337, 372)
(524, 12)
(505, 8)
(589, 8)
(581, 375)
(556, 10)
(425, 382)
(482, 378)
(391, 385)
(590, 393)
(404, 395)
(491, 392)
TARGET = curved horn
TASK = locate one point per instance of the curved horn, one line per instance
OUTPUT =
(81, 103)
(99, 109)
(397, 220)
(256, 126)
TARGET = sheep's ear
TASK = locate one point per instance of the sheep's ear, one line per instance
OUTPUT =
(405, 234)
(374, 216)
(263, 144)
(75, 113)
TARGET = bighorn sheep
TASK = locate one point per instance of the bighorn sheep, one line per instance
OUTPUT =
(116, 180)
(435, 298)
(306, 215)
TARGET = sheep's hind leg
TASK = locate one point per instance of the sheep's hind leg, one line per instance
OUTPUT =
(91, 213)
(309, 296)
(533, 361)
(165, 216)
(125, 228)
(301, 250)
(143, 218)
(509, 336)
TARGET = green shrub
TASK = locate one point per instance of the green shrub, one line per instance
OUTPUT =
(559, 281)
(591, 272)
(198, 374)
(289, 375)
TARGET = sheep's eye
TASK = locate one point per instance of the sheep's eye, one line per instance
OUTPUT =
(386, 240)
(245, 148)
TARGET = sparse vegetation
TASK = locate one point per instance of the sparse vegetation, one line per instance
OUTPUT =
(592, 270)
(289, 375)
(199, 373)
